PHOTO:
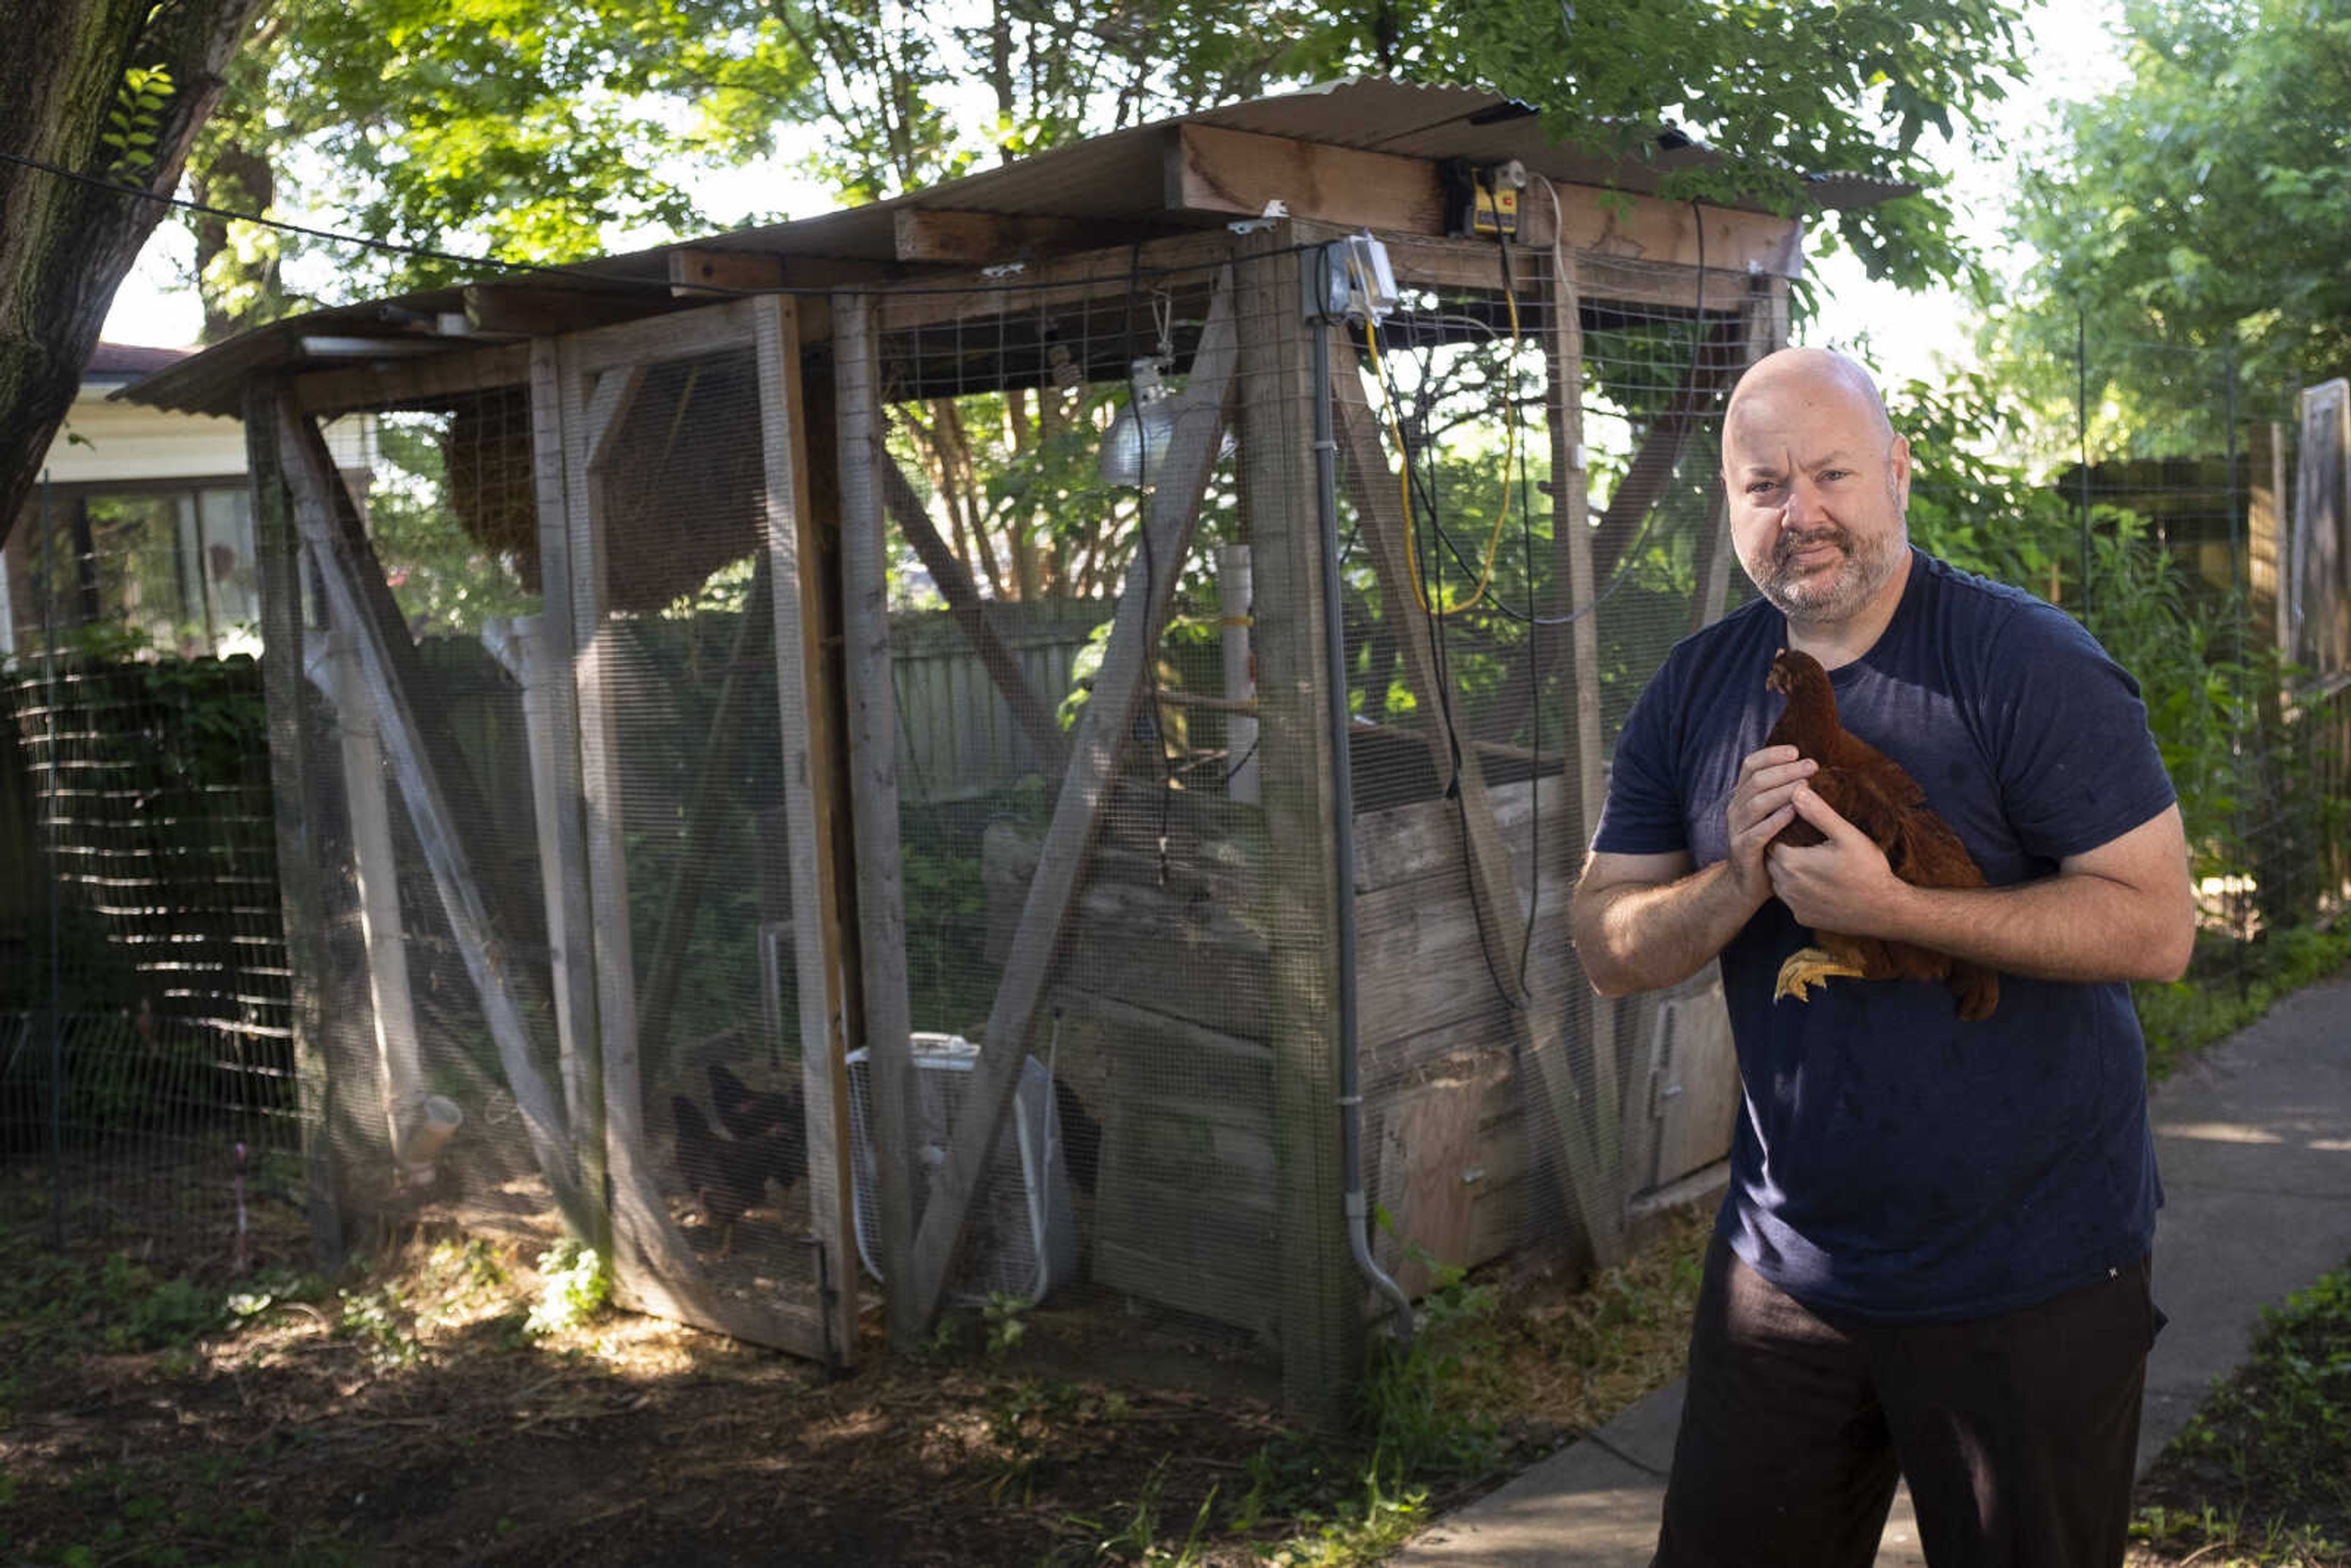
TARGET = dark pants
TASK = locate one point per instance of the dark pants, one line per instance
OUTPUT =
(2018, 1433)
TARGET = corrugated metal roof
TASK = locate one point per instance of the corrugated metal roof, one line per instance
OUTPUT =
(1120, 175)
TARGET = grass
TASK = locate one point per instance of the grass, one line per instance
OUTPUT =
(1502, 1372)
(2262, 1476)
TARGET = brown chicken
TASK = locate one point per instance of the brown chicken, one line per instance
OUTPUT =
(1870, 789)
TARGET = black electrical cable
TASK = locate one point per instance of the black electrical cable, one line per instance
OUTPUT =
(579, 273)
(1631, 550)
(1441, 673)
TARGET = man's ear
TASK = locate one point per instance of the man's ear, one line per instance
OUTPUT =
(1898, 455)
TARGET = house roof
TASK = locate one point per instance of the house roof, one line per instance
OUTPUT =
(1119, 185)
(129, 362)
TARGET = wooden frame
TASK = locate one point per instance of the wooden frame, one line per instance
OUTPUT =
(1212, 169)
(355, 590)
(651, 1262)
(1170, 516)
(808, 766)
(1252, 369)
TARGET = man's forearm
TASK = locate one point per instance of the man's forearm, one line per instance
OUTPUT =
(1637, 937)
(2080, 928)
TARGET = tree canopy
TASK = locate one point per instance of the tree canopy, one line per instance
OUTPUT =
(542, 133)
(534, 132)
(527, 132)
(2205, 202)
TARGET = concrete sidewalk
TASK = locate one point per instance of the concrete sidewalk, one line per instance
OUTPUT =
(2254, 1143)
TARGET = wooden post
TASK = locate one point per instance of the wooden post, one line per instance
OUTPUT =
(551, 716)
(1766, 329)
(333, 668)
(1321, 1312)
(330, 524)
(1538, 1020)
(291, 783)
(874, 759)
(650, 1259)
(810, 804)
(955, 587)
(1577, 595)
(1170, 516)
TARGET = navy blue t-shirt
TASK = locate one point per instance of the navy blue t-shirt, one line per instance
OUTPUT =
(1891, 1161)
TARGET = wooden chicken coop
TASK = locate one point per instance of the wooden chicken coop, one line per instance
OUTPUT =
(1260, 514)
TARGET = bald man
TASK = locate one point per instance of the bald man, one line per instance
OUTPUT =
(1933, 1253)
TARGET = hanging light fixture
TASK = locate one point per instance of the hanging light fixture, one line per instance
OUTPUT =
(1136, 443)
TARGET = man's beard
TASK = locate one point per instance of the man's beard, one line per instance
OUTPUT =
(1807, 596)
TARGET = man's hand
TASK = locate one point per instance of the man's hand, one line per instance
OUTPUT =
(1644, 921)
(1842, 884)
(1764, 801)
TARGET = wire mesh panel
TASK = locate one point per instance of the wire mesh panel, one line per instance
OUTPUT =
(694, 760)
(1063, 495)
(144, 1074)
(1505, 608)
(1170, 874)
(437, 1018)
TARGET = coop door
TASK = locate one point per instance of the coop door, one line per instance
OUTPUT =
(686, 491)
(1693, 1078)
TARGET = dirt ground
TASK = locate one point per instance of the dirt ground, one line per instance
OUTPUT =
(406, 1416)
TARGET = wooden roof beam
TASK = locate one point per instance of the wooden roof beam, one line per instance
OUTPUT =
(1211, 170)
(989, 239)
(525, 310)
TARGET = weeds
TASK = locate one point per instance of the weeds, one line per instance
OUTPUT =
(574, 1284)
(1138, 1542)
(2263, 1470)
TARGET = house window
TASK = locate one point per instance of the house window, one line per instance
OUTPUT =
(173, 566)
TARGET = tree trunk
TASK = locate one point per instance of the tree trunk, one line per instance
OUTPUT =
(66, 242)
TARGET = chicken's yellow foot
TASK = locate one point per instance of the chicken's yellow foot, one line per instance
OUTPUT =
(1807, 968)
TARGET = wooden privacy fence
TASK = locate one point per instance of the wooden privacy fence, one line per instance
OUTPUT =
(958, 733)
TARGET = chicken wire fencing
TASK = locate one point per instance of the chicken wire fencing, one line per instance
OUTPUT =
(561, 946)
(147, 1099)
(1040, 453)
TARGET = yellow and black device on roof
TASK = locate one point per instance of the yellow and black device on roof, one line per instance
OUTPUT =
(1482, 200)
